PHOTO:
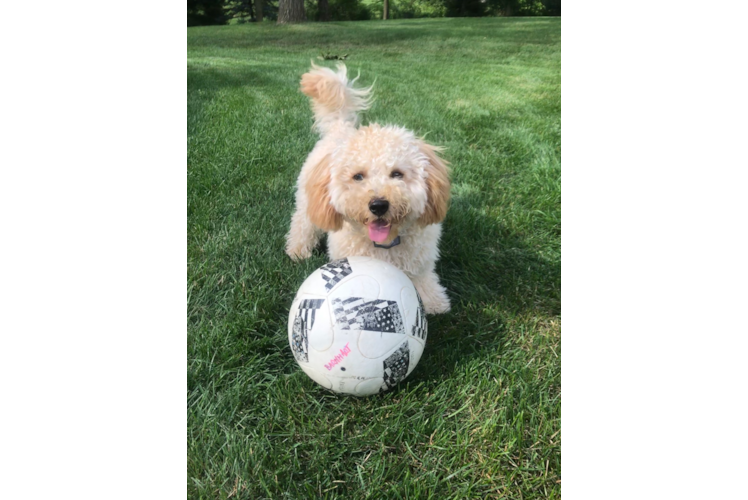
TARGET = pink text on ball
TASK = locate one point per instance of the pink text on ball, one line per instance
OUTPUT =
(337, 359)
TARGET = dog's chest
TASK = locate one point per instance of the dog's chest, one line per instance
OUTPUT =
(412, 255)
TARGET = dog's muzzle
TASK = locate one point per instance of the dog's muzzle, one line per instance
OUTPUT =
(379, 206)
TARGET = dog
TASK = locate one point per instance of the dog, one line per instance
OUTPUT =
(377, 191)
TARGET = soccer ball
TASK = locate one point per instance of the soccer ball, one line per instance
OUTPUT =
(357, 326)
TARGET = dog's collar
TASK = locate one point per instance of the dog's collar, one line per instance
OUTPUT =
(394, 243)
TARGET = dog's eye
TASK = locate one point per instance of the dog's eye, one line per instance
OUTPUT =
(358, 177)
(396, 175)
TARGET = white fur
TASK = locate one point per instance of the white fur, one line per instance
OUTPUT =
(375, 151)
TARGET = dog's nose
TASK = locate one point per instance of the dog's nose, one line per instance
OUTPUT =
(379, 207)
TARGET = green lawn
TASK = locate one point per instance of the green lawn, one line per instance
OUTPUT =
(480, 415)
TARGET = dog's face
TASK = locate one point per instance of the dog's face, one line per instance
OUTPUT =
(380, 180)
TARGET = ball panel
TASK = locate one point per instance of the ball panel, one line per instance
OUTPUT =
(342, 359)
(416, 351)
(292, 314)
(368, 387)
(416, 314)
(313, 285)
(396, 366)
(374, 345)
(299, 341)
(333, 272)
(321, 334)
(416, 343)
(356, 286)
(327, 277)
(381, 270)
(359, 259)
(359, 313)
(409, 301)
(301, 319)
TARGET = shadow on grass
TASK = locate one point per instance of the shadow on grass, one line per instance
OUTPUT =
(206, 81)
(492, 276)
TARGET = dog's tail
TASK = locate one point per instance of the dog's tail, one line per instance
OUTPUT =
(334, 99)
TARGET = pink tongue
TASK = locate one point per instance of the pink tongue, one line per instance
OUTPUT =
(378, 231)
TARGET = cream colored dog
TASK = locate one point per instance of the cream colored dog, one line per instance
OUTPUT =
(377, 190)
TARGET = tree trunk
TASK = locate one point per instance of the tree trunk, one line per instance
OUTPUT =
(386, 12)
(324, 10)
(258, 10)
(291, 11)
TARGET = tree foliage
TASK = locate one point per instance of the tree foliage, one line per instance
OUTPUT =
(202, 12)
(465, 8)
(552, 7)
(243, 11)
(339, 10)
(516, 7)
(205, 12)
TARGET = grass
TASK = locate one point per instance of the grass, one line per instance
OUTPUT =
(480, 415)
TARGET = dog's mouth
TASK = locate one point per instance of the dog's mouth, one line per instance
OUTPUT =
(379, 230)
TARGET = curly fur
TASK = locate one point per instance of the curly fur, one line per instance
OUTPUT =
(329, 199)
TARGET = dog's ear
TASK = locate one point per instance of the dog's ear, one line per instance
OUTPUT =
(319, 206)
(437, 186)
(313, 83)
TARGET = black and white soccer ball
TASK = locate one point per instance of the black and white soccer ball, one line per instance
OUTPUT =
(357, 326)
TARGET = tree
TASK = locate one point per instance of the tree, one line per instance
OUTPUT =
(552, 7)
(291, 11)
(205, 12)
(521, 7)
(243, 10)
(466, 8)
(324, 10)
(386, 11)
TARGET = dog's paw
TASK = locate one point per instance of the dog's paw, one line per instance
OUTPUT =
(436, 305)
(298, 254)
(433, 295)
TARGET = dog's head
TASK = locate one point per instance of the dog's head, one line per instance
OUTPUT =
(380, 179)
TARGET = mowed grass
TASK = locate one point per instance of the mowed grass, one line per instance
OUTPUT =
(480, 415)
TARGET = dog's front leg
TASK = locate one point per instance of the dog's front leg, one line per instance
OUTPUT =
(303, 236)
(433, 295)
